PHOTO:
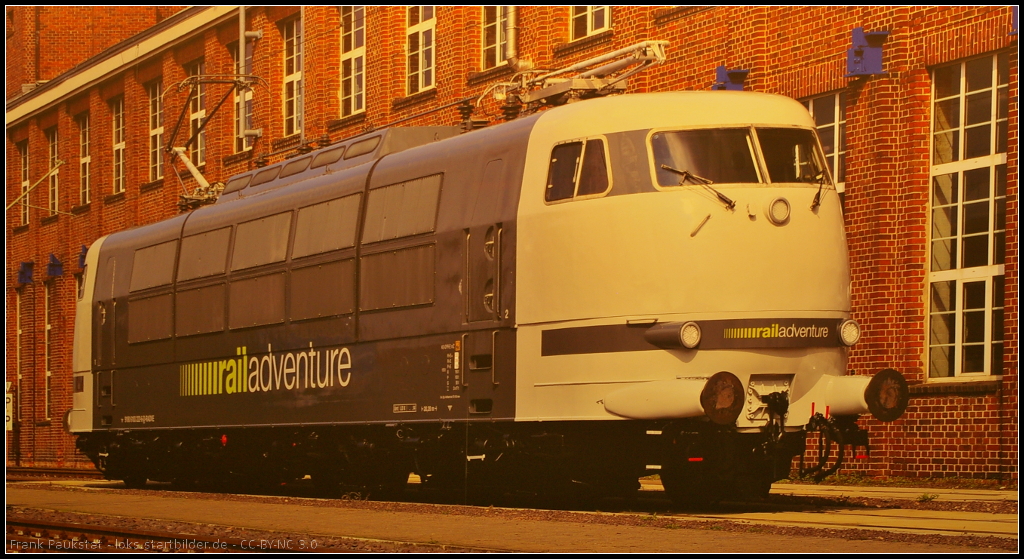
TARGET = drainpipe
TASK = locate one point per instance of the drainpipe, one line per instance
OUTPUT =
(512, 41)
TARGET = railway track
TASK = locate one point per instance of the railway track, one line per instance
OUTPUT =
(789, 515)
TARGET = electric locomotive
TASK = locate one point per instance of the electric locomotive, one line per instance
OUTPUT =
(648, 283)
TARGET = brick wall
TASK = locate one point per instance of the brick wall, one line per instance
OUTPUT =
(965, 429)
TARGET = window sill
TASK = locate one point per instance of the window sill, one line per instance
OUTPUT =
(957, 386)
(338, 124)
(49, 219)
(21, 229)
(500, 71)
(79, 210)
(580, 45)
(114, 198)
(151, 185)
(237, 157)
(415, 98)
(289, 142)
(666, 15)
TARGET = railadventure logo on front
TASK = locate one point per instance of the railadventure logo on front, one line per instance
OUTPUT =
(777, 331)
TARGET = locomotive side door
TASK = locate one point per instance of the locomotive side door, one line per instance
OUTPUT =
(104, 311)
(482, 294)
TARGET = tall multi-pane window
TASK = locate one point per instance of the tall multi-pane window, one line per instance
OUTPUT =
(243, 99)
(588, 20)
(197, 114)
(829, 114)
(353, 60)
(494, 38)
(23, 156)
(17, 350)
(970, 104)
(48, 305)
(84, 160)
(420, 33)
(54, 180)
(154, 91)
(118, 143)
(293, 107)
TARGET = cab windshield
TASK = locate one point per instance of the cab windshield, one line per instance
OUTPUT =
(718, 155)
(791, 155)
(727, 155)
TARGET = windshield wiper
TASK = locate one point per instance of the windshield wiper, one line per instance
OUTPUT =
(706, 183)
(821, 185)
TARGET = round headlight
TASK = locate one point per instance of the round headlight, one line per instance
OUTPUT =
(849, 332)
(778, 211)
(689, 335)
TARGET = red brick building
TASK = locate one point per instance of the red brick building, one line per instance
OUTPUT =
(925, 146)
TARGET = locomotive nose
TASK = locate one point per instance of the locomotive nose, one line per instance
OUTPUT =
(719, 397)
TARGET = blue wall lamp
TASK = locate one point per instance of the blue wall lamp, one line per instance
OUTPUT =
(729, 80)
(864, 58)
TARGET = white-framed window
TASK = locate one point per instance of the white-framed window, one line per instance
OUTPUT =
(829, 114)
(420, 51)
(53, 143)
(154, 91)
(243, 99)
(18, 354)
(84, 160)
(589, 20)
(353, 60)
(47, 345)
(293, 106)
(118, 143)
(494, 37)
(23, 156)
(970, 104)
(196, 115)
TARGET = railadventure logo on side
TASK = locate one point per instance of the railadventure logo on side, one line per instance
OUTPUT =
(315, 368)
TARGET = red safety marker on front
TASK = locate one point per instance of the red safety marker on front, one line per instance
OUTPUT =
(695, 459)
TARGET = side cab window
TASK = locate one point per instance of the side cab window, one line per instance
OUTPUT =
(578, 169)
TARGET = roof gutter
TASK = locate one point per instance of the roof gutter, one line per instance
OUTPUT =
(131, 52)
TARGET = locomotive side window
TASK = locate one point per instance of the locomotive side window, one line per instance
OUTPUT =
(718, 155)
(153, 266)
(790, 155)
(261, 241)
(565, 160)
(403, 209)
(571, 175)
(205, 254)
(326, 226)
